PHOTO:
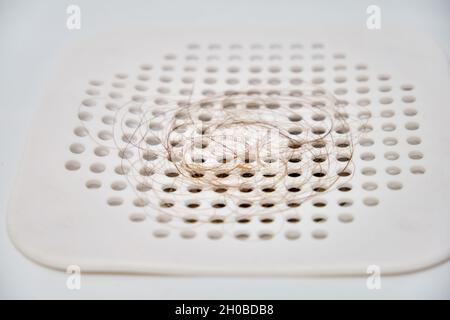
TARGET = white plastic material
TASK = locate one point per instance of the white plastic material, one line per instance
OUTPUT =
(99, 186)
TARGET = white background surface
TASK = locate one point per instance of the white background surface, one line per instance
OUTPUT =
(32, 33)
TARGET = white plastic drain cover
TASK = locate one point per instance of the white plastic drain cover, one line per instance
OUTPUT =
(237, 152)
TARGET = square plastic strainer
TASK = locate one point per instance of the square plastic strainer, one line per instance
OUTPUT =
(277, 152)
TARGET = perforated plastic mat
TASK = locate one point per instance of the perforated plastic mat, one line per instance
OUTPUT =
(236, 152)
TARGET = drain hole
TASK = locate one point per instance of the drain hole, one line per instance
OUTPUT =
(242, 235)
(320, 203)
(217, 220)
(97, 167)
(214, 234)
(345, 218)
(369, 186)
(293, 204)
(243, 219)
(188, 234)
(218, 205)
(345, 188)
(73, 165)
(222, 175)
(371, 202)
(146, 171)
(265, 235)
(393, 170)
(319, 174)
(77, 148)
(294, 189)
(415, 155)
(115, 201)
(292, 234)
(166, 204)
(161, 233)
(163, 218)
(266, 219)
(143, 187)
(141, 202)
(320, 159)
(319, 218)
(195, 189)
(171, 173)
(268, 189)
(417, 170)
(319, 234)
(137, 217)
(344, 173)
(247, 174)
(192, 205)
(169, 189)
(197, 175)
(294, 174)
(293, 219)
(118, 185)
(246, 189)
(394, 185)
(244, 205)
(93, 184)
(190, 219)
(267, 204)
